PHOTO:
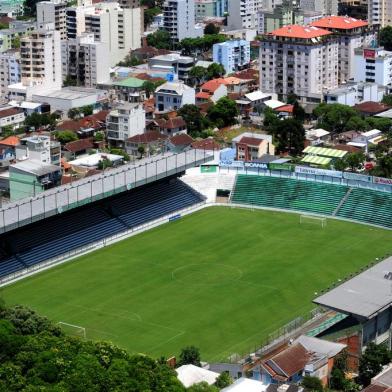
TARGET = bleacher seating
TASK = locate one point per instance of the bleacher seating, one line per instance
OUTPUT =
(93, 222)
(285, 193)
(370, 206)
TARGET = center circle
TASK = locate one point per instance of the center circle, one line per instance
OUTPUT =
(206, 274)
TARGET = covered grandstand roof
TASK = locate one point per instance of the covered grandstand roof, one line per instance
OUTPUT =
(325, 152)
(365, 295)
(316, 160)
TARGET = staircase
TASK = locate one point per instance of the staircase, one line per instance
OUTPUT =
(342, 201)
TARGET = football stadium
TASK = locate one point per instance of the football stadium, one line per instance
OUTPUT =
(219, 259)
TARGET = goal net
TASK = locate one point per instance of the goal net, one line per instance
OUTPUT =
(311, 219)
(73, 330)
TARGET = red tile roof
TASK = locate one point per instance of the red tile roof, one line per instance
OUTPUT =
(171, 123)
(212, 85)
(206, 144)
(10, 141)
(372, 107)
(10, 112)
(79, 145)
(251, 141)
(94, 121)
(181, 140)
(203, 95)
(339, 23)
(285, 108)
(296, 31)
(147, 137)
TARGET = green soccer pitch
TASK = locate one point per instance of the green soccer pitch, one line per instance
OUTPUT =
(221, 279)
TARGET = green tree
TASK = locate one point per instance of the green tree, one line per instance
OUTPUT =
(372, 361)
(198, 74)
(289, 135)
(223, 113)
(356, 123)
(383, 124)
(340, 164)
(104, 164)
(298, 112)
(15, 42)
(87, 110)
(195, 121)
(99, 136)
(149, 88)
(149, 14)
(384, 166)
(355, 160)
(223, 381)
(203, 387)
(189, 355)
(65, 137)
(119, 151)
(211, 28)
(160, 39)
(385, 37)
(73, 113)
(69, 81)
(215, 70)
(270, 119)
(312, 384)
(387, 99)
(3, 26)
(130, 61)
(141, 150)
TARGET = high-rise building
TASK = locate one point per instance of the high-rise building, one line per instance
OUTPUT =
(40, 63)
(380, 12)
(9, 70)
(324, 7)
(85, 61)
(233, 55)
(352, 33)
(179, 19)
(53, 11)
(242, 14)
(300, 60)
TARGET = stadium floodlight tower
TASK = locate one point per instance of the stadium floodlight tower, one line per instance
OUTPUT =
(367, 299)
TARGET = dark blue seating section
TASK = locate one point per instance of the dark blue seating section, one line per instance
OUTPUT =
(93, 222)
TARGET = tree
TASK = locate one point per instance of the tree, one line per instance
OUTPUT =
(202, 387)
(87, 110)
(337, 380)
(354, 160)
(215, 70)
(160, 39)
(372, 361)
(223, 113)
(356, 123)
(104, 164)
(119, 151)
(99, 136)
(270, 119)
(385, 37)
(289, 135)
(65, 137)
(141, 150)
(15, 42)
(149, 88)
(69, 81)
(149, 15)
(383, 124)
(223, 381)
(130, 61)
(312, 384)
(298, 112)
(384, 166)
(194, 120)
(37, 120)
(189, 355)
(334, 117)
(211, 28)
(198, 74)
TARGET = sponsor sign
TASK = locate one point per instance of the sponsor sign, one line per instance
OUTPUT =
(369, 53)
(257, 165)
(317, 172)
(281, 166)
(230, 163)
(357, 177)
(382, 181)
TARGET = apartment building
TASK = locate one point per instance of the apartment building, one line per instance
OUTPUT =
(301, 60)
(53, 11)
(233, 55)
(118, 28)
(127, 120)
(9, 70)
(40, 64)
(171, 96)
(85, 61)
(325, 7)
(179, 19)
(352, 34)
(242, 14)
(373, 65)
(380, 12)
(172, 63)
(210, 8)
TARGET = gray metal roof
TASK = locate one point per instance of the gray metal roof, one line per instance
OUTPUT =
(364, 295)
(35, 167)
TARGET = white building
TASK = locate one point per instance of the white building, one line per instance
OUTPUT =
(85, 61)
(353, 33)
(380, 12)
(179, 19)
(40, 63)
(127, 120)
(190, 375)
(173, 95)
(9, 70)
(11, 117)
(34, 147)
(301, 60)
(118, 28)
(243, 14)
(172, 63)
(353, 93)
(233, 55)
(53, 11)
(373, 65)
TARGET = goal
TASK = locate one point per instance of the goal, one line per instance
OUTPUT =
(73, 330)
(311, 219)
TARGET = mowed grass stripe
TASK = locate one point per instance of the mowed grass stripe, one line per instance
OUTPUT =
(221, 279)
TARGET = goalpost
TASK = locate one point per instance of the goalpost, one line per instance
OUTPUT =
(73, 330)
(312, 219)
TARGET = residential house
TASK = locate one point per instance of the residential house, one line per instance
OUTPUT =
(36, 148)
(252, 102)
(212, 90)
(382, 381)
(76, 148)
(152, 142)
(317, 137)
(172, 126)
(252, 146)
(129, 90)
(171, 96)
(179, 143)
(11, 117)
(369, 108)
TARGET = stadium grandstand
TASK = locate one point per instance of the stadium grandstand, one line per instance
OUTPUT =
(367, 299)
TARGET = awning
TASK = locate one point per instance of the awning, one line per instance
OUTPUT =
(326, 152)
(316, 160)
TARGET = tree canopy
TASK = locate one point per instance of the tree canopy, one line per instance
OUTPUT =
(289, 136)
(189, 355)
(223, 113)
(160, 39)
(35, 355)
(196, 123)
(65, 137)
(385, 37)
